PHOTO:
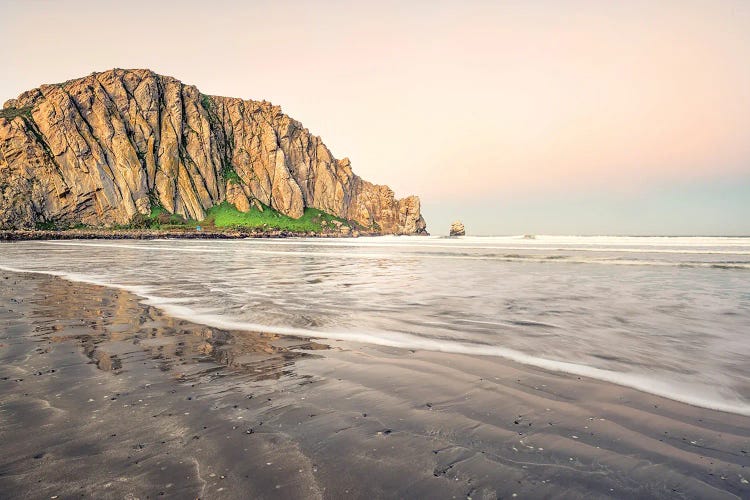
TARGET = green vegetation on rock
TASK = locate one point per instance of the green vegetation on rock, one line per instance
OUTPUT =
(46, 226)
(227, 216)
(10, 113)
(230, 175)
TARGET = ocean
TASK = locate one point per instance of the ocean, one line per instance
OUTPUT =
(665, 315)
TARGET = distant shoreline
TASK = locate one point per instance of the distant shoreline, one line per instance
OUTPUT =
(150, 234)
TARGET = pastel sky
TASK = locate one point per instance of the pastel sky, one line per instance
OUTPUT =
(554, 117)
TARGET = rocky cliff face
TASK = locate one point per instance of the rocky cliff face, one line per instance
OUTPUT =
(100, 149)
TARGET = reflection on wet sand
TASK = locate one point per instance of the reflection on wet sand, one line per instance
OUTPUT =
(108, 325)
(101, 396)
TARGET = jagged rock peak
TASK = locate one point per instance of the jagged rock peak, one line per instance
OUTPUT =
(100, 149)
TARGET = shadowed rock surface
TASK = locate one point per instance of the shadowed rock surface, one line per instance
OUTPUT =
(101, 149)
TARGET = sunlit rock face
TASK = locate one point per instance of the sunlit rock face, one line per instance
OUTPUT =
(100, 149)
(457, 229)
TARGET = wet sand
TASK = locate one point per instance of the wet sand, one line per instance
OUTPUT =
(103, 397)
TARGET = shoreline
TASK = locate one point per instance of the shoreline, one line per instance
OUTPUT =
(164, 405)
(150, 234)
(626, 380)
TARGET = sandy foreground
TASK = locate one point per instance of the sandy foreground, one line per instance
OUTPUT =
(101, 396)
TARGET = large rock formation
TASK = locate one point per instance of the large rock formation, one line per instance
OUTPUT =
(99, 150)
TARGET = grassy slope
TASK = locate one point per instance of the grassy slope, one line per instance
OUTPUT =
(225, 215)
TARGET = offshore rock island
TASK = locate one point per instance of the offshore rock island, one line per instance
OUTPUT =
(131, 148)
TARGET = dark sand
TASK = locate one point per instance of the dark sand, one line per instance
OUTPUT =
(103, 397)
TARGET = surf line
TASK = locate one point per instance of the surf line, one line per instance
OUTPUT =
(409, 341)
(401, 256)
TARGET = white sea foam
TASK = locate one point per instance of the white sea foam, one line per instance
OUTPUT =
(421, 255)
(696, 395)
(198, 249)
(652, 249)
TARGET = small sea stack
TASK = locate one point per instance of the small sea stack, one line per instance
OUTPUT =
(457, 229)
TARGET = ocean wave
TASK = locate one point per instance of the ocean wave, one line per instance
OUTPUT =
(177, 309)
(194, 246)
(740, 246)
(563, 259)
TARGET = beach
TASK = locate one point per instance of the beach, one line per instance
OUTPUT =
(104, 396)
(375, 250)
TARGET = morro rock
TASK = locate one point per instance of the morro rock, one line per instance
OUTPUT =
(101, 149)
(457, 229)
